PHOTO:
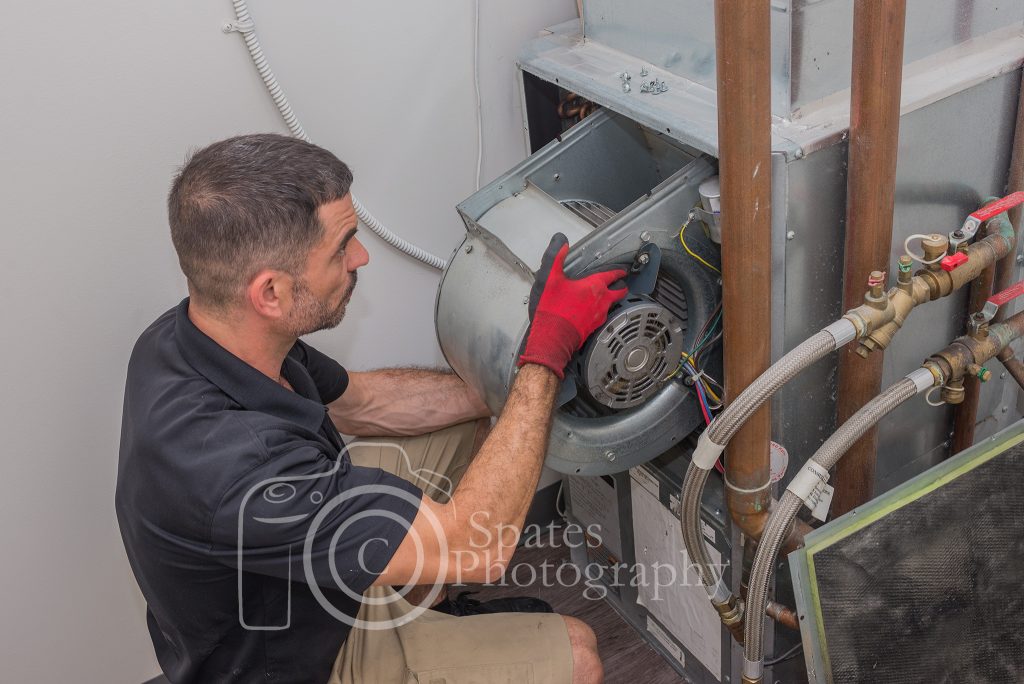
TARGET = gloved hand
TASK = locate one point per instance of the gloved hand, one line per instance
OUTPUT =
(564, 312)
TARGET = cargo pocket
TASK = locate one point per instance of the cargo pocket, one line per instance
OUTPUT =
(501, 673)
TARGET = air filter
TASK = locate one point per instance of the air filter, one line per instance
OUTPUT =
(922, 584)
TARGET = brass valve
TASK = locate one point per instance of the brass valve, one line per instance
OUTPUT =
(935, 246)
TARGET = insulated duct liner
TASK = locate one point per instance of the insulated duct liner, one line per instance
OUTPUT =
(922, 584)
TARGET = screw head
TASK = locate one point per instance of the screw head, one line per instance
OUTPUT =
(610, 455)
(526, 300)
(1005, 409)
(1020, 259)
(790, 235)
(644, 258)
(558, 176)
(645, 236)
(625, 87)
(469, 248)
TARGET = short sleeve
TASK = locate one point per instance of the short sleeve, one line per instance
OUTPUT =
(330, 378)
(305, 517)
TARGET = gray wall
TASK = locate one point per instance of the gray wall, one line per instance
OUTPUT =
(100, 101)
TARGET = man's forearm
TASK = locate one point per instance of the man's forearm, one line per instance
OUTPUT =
(404, 401)
(498, 487)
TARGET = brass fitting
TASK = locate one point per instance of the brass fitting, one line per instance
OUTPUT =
(731, 613)
(934, 246)
(978, 326)
(904, 274)
(901, 302)
(953, 392)
(966, 355)
(983, 374)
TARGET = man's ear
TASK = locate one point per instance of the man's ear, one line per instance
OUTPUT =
(269, 293)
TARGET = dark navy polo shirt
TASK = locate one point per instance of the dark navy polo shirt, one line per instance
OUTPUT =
(248, 529)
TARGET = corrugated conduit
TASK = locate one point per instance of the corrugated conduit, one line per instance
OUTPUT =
(247, 28)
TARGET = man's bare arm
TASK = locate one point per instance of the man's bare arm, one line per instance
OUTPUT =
(398, 402)
(482, 522)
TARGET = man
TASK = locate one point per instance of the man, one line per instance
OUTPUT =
(266, 548)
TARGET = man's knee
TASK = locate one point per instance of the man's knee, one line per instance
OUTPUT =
(586, 663)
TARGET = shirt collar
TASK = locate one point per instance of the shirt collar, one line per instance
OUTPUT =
(249, 387)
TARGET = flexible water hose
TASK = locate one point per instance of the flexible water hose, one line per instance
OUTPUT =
(782, 516)
(727, 424)
(247, 28)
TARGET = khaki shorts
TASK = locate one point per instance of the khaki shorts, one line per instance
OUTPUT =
(436, 648)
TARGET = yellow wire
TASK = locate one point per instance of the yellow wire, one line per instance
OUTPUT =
(682, 239)
(707, 386)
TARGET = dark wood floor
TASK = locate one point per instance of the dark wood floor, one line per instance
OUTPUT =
(626, 657)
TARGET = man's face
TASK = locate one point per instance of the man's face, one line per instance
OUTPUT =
(320, 295)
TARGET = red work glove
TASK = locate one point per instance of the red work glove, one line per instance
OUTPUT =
(564, 312)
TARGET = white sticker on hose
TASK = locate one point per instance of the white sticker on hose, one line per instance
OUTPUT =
(808, 481)
(922, 378)
(707, 453)
(752, 670)
(843, 331)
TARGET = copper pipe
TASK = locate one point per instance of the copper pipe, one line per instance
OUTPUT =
(784, 615)
(1012, 365)
(877, 79)
(743, 37)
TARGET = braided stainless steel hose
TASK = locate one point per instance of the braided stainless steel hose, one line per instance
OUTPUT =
(714, 440)
(805, 488)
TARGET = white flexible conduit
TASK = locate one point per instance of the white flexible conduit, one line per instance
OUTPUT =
(247, 28)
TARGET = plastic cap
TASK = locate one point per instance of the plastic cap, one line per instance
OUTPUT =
(953, 261)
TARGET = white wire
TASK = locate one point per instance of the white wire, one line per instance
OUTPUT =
(479, 100)
(928, 397)
(915, 257)
(247, 28)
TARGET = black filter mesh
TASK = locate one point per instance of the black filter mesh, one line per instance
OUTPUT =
(932, 592)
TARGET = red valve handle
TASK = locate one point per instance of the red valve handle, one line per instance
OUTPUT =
(999, 206)
(1007, 295)
(953, 261)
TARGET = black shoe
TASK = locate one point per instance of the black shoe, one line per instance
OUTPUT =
(463, 605)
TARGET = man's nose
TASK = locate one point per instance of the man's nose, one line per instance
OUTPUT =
(360, 257)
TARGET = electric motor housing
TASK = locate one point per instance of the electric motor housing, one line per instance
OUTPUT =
(613, 188)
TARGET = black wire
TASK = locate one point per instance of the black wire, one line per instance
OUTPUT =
(788, 655)
(707, 323)
(707, 346)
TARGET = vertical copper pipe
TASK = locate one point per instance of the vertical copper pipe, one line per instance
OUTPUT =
(994, 279)
(743, 39)
(878, 35)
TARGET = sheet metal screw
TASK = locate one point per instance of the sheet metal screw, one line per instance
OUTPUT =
(644, 258)
(790, 235)
(469, 248)
(526, 300)
(1005, 409)
(645, 236)
(610, 455)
